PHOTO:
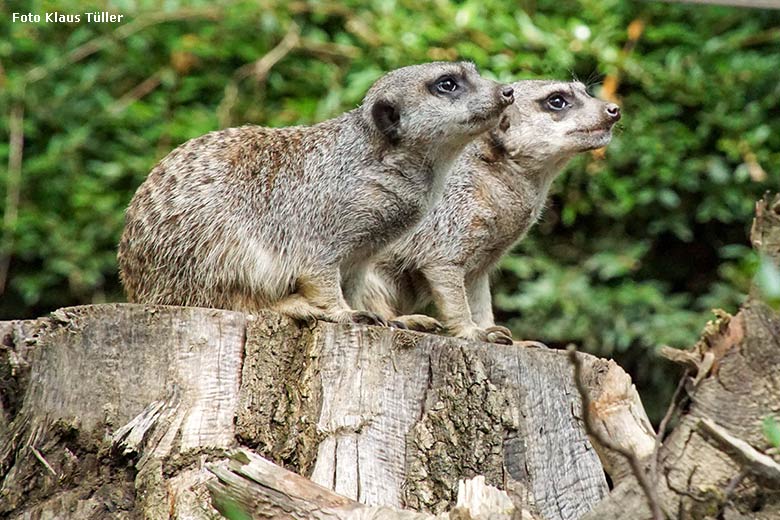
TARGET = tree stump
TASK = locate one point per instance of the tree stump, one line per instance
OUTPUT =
(114, 410)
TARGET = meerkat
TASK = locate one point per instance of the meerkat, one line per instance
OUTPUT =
(493, 196)
(252, 217)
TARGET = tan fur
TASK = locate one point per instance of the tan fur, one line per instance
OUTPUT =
(251, 217)
(495, 193)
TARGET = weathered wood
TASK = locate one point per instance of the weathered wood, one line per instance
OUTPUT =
(697, 475)
(617, 415)
(16, 338)
(249, 486)
(93, 369)
(442, 407)
(115, 411)
(386, 417)
(715, 463)
(765, 232)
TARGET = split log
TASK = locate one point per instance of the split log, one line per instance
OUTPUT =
(716, 463)
(124, 405)
(700, 475)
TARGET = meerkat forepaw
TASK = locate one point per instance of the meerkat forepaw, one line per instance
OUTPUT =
(499, 334)
(490, 335)
(397, 325)
(420, 323)
(367, 318)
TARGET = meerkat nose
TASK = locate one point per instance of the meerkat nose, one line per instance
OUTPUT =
(613, 111)
(507, 94)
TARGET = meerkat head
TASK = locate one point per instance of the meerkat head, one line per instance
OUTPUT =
(553, 120)
(435, 104)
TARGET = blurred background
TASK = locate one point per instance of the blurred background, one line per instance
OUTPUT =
(638, 244)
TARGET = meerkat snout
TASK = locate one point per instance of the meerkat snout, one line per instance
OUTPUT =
(453, 96)
(508, 94)
(613, 111)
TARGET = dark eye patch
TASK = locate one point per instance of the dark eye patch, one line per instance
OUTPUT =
(446, 85)
(557, 102)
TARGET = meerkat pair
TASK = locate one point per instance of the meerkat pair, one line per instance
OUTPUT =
(249, 218)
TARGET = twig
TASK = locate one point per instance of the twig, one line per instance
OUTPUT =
(733, 483)
(13, 187)
(647, 485)
(136, 93)
(671, 411)
(43, 461)
(756, 462)
(259, 69)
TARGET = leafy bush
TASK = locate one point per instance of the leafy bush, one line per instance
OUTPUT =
(635, 247)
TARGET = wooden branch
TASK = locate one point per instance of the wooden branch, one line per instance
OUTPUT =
(630, 455)
(260, 68)
(765, 232)
(753, 460)
(737, 363)
(136, 93)
(249, 486)
(616, 413)
(673, 410)
(261, 489)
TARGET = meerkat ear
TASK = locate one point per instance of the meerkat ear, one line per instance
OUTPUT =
(387, 118)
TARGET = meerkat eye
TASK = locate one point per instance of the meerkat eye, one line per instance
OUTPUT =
(447, 85)
(557, 102)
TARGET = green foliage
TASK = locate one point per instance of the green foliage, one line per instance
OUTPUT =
(634, 250)
(232, 510)
(772, 431)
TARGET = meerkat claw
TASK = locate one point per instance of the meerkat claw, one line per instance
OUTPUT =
(499, 338)
(500, 330)
(368, 318)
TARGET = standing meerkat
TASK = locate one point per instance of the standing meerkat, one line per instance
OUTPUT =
(494, 194)
(251, 217)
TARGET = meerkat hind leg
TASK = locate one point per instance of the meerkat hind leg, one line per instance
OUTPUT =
(298, 308)
(319, 297)
(481, 305)
(448, 289)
